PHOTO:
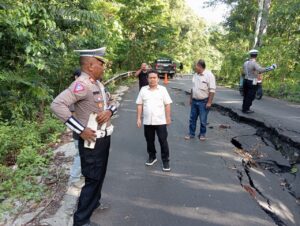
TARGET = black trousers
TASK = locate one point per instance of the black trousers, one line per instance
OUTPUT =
(162, 133)
(93, 168)
(249, 94)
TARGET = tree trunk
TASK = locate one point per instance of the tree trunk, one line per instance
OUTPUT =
(264, 22)
(261, 23)
(258, 22)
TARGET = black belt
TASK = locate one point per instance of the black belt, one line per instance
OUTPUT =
(200, 99)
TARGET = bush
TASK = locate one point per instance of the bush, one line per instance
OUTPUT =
(24, 157)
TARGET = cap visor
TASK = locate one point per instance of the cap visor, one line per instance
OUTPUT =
(103, 60)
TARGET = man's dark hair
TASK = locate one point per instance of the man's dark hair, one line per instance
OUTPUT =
(201, 63)
(152, 72)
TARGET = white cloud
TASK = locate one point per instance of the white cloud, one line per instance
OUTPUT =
(212, 15)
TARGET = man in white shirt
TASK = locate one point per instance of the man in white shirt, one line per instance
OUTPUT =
(202, 94)
(155, 104)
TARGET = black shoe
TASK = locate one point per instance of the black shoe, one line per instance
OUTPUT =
(248, 112)
(166, 167)
(151, 161)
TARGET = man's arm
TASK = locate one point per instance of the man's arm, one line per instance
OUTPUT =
(139, 115)
(138, 72)
(212, 89)
(60, 107)
(260, 69)
(168, 113)
(167, 102)
(210, 99)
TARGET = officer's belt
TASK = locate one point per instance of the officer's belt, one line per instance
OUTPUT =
(107, 132)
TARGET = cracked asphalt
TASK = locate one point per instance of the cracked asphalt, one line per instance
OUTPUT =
(211, 182)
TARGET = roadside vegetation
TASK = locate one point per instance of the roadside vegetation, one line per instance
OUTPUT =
(272, 27)
(37, 39)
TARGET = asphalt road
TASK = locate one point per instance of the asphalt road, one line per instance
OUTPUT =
(203, 187)
(281, 115)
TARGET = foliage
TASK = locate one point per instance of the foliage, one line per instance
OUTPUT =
(37, 40)
(281, 45)
(24, 157)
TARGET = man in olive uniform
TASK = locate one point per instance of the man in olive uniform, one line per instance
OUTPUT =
(252, 70)
(88, 96)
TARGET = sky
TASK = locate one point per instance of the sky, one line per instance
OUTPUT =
(212, 15)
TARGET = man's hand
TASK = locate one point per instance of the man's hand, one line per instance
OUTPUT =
(208, 105)
(103, 116)
(88, 134)
(139, 123)
(168, 120)
(274, 66)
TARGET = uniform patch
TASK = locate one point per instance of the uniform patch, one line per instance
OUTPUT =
(78, 88)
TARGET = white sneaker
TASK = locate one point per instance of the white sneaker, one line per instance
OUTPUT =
(151, 161)
(202, 138)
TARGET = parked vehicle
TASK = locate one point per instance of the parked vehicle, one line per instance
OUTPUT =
(165, 66)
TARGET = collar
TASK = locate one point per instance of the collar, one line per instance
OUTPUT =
(148, 87)
(84, 74)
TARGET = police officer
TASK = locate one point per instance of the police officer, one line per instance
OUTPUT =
(88, 96)
(252, 70)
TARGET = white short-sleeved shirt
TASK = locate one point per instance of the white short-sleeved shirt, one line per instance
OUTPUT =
(154, 102)
(203, 84)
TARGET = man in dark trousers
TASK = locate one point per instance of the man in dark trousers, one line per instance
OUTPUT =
(155, 104)
(142, 74)
(252, 70)
(91, 122)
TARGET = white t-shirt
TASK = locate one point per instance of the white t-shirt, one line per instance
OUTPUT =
(203, 84)
(154, 102)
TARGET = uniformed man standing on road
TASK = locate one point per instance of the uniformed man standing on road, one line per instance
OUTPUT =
(89, 98)
(252, 70)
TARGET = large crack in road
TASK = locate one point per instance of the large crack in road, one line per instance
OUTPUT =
(258, 156)
(289, 148)
(264, 150)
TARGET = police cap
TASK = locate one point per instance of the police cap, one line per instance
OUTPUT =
(97, 53)
(253, 52)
